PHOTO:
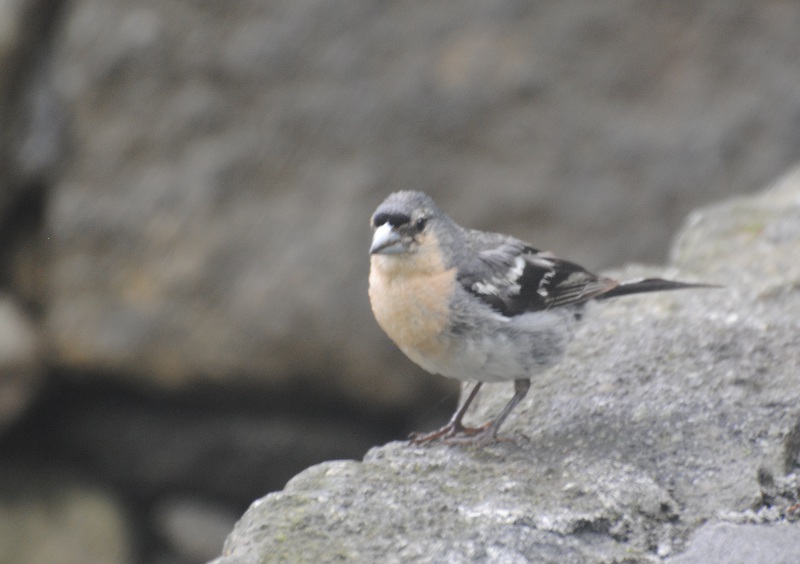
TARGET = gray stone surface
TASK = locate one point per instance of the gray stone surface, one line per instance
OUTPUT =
(210, 225)
(671, 411)
(743, 544)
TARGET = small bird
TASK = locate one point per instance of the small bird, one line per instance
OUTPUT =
(477, 306)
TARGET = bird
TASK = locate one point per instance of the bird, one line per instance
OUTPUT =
(477, 306)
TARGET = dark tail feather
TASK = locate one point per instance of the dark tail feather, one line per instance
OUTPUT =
(649, 285)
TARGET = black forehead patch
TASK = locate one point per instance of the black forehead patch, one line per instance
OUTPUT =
(394, 219)
(399, 208)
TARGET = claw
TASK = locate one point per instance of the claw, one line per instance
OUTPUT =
(449, 431)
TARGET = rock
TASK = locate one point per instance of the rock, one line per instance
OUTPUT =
(673, 410)
(20, 368)
(210, 225)
(742, 544)
(47, 517)
(451, 505)
(765, 225)
(194, 529)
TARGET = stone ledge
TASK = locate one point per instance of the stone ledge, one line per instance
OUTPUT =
(669, 413)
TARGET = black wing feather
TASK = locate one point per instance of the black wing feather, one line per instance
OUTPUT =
(515, 278)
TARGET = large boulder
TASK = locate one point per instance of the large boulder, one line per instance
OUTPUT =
(671, 411)
(210, 224)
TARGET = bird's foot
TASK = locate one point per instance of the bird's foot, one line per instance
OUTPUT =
(450, 433)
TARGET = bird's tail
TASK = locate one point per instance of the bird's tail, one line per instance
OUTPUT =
(649, 285)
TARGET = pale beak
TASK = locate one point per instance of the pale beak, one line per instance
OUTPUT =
(386, 241)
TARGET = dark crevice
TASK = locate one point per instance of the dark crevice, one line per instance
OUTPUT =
(21, 251)
(226, 449)
(30, 150)
(113, 433)
(791, 457)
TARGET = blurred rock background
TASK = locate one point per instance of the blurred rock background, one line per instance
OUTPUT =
(185, 190)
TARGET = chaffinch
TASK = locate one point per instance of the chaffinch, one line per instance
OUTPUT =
(477, 306)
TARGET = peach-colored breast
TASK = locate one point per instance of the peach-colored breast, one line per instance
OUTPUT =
(412, 306)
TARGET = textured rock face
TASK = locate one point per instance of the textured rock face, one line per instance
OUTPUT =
(673, 410)
(743, 544)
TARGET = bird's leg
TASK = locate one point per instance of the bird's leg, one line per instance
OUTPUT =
(521, 388)
(488, 433)
(454, 426)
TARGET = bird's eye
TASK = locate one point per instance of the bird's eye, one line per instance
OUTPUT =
(419, 225)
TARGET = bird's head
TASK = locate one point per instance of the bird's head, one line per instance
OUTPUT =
(402, 223)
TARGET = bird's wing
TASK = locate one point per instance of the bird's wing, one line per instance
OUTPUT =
(514, 278)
